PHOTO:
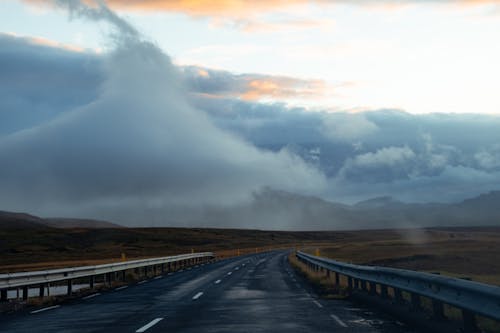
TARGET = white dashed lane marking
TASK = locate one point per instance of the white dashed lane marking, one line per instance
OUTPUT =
(149, 325)
(198, 295)
(317, 303)
(337, 319)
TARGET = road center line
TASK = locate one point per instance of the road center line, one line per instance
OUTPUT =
(149, 325)
(198, 295)
(337, 319)
(217, 282)
(317, 303)
(91, 296)
(45, 309)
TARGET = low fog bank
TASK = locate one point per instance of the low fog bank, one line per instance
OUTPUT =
(279, 210)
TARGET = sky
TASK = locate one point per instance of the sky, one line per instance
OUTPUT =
(149, 107)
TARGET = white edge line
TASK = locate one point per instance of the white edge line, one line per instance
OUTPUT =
(217, 282)
(45, 309)
(337, 319)
(198, 295)
(121, 288)
(158, 277)
(143, 281)
(91, 296)
(318, 303)
(149, 325)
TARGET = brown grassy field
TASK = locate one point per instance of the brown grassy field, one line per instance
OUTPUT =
(461, 252)
(42, 248)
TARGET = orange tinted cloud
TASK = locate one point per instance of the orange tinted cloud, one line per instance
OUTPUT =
(276, 87)
(222, 84)
(47, 42)
(244, 8)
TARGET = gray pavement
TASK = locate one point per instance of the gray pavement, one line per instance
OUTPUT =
(258, 293)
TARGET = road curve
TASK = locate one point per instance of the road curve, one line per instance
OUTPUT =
(257, 293)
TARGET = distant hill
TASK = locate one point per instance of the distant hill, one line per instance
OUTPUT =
(285, 211)
(10, 220)
(279, 210)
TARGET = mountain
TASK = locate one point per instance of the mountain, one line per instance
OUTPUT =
(379, 202)
(10, 220)
(281, 210)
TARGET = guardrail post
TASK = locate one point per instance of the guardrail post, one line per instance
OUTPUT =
(109, 279)
(398, 295)
(383, 291)
(373, 288)
(25, 293)
(123, 276)
(349, 283)
(416, 302)
(469, 320)
(70, 287)
(91, 281)
(356, 283)
(337, 278)
(364, 287)
(438, 309)
(41, 290)
(3, 295)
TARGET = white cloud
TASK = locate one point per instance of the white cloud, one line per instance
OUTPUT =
(390, 156)
(347, 127)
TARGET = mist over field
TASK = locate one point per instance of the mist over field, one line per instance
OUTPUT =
(127, 135)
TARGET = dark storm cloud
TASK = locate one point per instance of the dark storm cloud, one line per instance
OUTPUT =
(37, 82)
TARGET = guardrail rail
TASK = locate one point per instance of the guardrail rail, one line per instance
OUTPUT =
(473, 298)
(109, 272)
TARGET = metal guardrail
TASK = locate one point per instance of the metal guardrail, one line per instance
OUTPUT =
(471, 297)
(26, 279)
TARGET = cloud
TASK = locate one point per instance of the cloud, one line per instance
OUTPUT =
(263, 25)
(390, 156)
(489, 159)
(251, 87)
(125, 135)
(40, 79)
(347, 127)
(137, 143)
(241, 9)
(383, 165)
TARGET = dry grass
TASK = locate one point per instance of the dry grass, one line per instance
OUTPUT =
(37, 249)
(460, 252)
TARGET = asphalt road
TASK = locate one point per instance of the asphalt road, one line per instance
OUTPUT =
(258, 293)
